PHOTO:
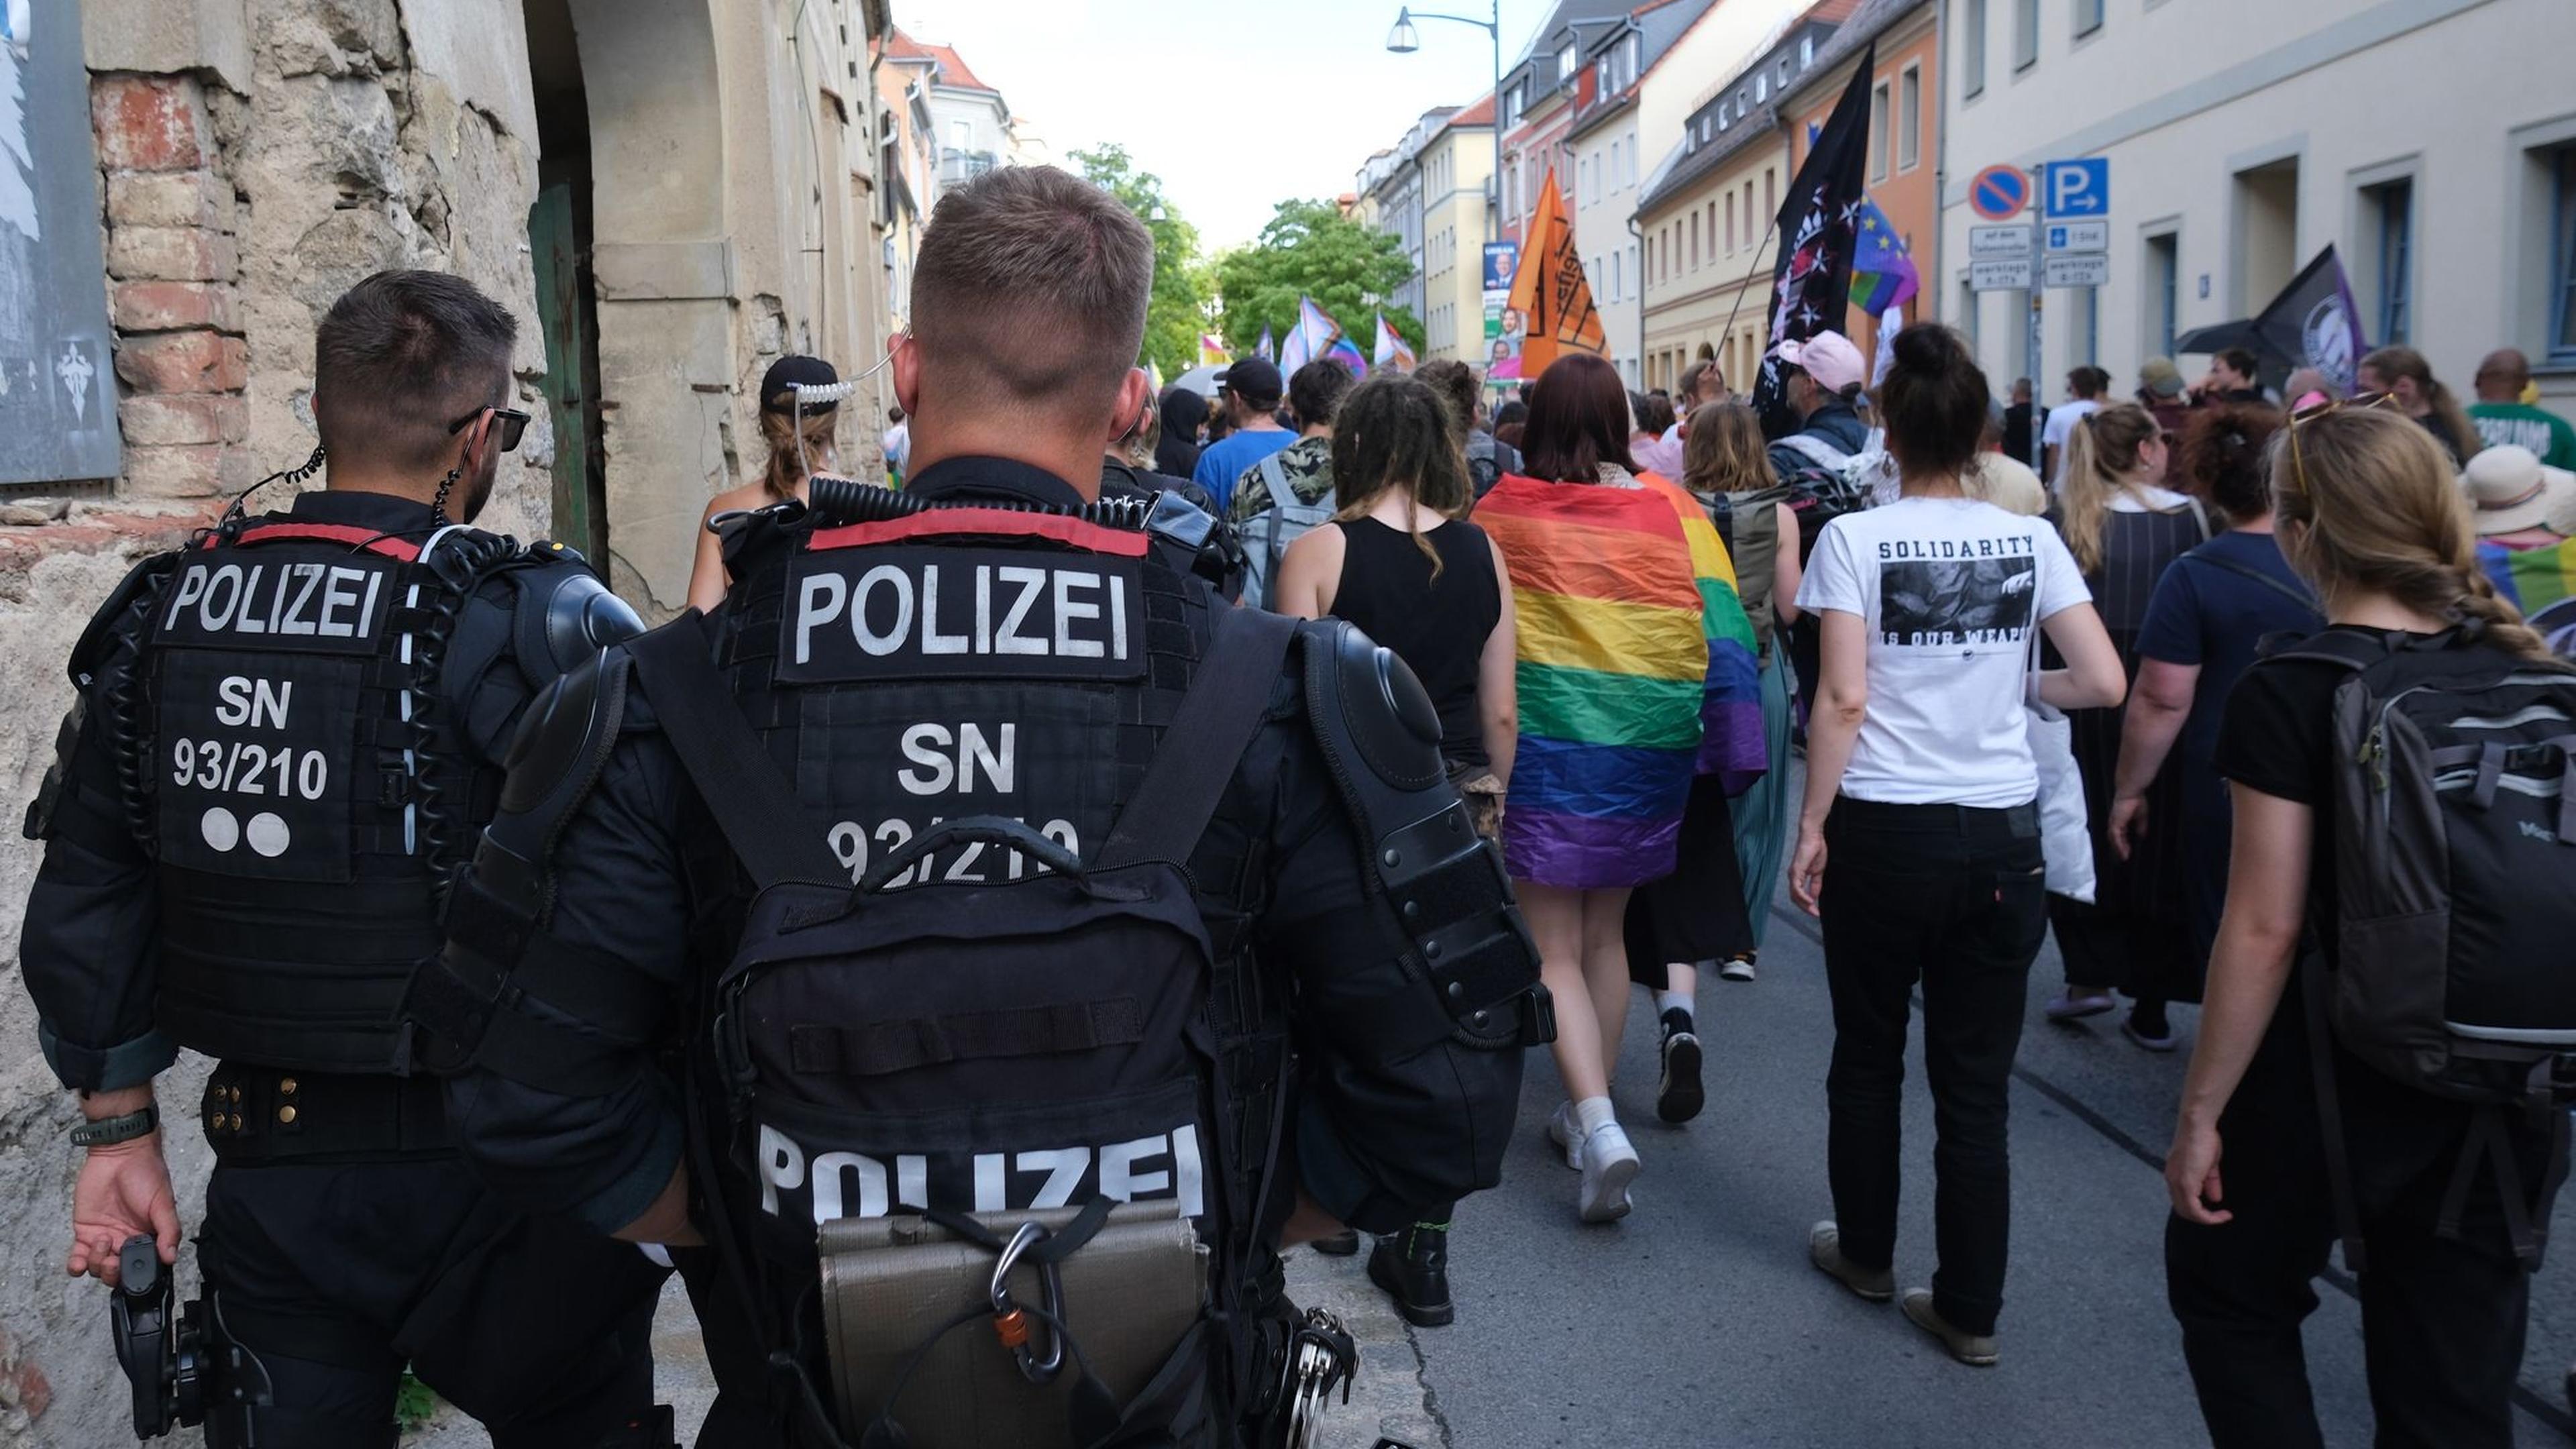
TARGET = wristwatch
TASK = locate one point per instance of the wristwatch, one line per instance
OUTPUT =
(107, 1131)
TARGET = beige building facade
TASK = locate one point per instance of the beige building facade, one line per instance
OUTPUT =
(1457, 173)
(2433, 142)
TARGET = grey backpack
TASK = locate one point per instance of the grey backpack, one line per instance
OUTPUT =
(1267, 535)
(2453, 832)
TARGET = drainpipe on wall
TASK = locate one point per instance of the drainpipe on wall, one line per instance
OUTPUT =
(1640, 270)
(1940, 157)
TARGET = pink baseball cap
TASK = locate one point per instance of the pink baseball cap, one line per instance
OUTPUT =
(1829, 358)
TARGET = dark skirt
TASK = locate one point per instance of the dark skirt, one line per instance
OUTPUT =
(2136, 934)
(1697, 912)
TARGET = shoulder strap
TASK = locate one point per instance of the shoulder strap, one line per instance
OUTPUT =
(2299, 595)
(1816, 450)
(1275, 473)
(1206, 740)
(2341, 648)
(2321, 1061)
(761, 817)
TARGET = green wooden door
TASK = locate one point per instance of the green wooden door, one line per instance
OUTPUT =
(571, 390)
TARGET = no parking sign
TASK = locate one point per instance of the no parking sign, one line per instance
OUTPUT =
(1999, 193)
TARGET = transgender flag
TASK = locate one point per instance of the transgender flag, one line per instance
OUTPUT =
(1635, 672)
(1318, 335)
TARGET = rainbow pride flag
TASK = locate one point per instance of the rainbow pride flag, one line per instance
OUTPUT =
(1612, 594)
(1731, 741)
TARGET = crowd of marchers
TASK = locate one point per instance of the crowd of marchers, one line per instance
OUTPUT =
(2096, 698)
(1149, 837)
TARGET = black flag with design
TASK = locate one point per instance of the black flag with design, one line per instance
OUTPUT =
(1819, 226)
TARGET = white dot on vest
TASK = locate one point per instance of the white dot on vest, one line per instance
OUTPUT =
(221, 830)
(268, 834)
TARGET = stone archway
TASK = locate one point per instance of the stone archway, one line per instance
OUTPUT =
(663, 268)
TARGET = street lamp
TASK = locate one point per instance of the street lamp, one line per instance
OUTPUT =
(1403, 41)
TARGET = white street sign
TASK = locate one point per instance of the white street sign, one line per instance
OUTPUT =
(2079, 236)
(2011, 274)
(1998, 243)
(2080, 269)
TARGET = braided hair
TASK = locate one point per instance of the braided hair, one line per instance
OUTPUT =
(2376, 509)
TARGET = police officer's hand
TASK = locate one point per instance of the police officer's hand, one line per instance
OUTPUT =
(123, 1190)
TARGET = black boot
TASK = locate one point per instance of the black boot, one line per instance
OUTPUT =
(1413, 1268)
(1340, 1245)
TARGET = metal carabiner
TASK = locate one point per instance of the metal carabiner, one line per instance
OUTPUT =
(1011, 1321)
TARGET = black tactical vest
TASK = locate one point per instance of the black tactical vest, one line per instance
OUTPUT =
(299, 783)
(991, 660)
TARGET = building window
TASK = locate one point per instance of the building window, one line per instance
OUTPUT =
(2163, 291)
(2562, 255)
(1694, 241)
(1972, 50)
(1780, 72)
(1909, 118)
(1770, 192)
(1967, 315)
(2088, 17)
(1806, 51)
(1712, 231)
(1762, 86)
(2025, 34)
(2390, 209)
(2084, 327)
(1614, 276)
(1878, 118)
(1634, 272)
(1730, 222)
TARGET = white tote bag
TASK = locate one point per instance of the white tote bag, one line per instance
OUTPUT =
(2065, 833)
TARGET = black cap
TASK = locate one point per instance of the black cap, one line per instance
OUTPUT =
(778, 385)
(1255, 379)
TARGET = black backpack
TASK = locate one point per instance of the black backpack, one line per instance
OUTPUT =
(983, 1026)
(2454, 840)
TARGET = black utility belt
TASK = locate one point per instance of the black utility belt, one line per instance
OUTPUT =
(257, 1115)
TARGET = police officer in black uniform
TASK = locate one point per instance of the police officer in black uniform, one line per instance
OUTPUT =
(285, 736)
(990, 642)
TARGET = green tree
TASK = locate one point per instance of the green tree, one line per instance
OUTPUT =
(1310, 249)
(1173, 316)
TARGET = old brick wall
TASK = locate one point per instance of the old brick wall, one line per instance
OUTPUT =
(235, 203)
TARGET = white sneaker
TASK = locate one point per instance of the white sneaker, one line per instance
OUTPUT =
(1563, 1131)
(1737, 968)
(1609, 1165)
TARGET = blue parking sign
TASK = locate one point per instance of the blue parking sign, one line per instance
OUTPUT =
(2078, 188)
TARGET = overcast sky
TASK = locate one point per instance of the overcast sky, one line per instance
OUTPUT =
(1236, 106)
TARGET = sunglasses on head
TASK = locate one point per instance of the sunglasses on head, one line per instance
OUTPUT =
(2360, 400)
(511, 422)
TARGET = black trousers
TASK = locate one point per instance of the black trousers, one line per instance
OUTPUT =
(337, 1275)
(2442, 1320)
(1953, 898)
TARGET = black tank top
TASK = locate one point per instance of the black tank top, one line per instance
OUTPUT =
(1437, 627)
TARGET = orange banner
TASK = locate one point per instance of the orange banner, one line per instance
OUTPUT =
(1550, 293)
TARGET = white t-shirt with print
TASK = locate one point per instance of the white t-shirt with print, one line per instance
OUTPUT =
(1949, 589)
(2060, 427)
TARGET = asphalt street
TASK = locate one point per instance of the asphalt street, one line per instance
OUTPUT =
(1698, 1320)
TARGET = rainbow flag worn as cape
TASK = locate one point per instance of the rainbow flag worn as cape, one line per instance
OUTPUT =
(1612, 591)
(1731, 743)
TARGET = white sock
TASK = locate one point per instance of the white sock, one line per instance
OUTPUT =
(1684, 1002)
(1594, 1113)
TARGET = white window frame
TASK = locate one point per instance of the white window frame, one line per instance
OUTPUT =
(1881, 124)
(1909, 119)
(1972, 50)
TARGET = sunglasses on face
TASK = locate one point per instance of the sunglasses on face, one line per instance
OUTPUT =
(510, 422)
